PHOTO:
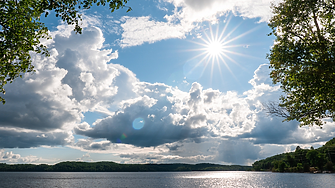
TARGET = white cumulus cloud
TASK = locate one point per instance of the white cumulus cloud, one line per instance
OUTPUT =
(186, 16)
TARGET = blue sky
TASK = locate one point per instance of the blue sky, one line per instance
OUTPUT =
(146, 86)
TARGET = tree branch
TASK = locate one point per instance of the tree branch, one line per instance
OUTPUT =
(273, 108)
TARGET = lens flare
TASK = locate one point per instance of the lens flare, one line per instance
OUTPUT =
(138, 123)
(123, 136)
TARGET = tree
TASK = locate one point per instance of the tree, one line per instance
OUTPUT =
(303, 59)
(322, 161)
(329, 166)
(281, 166)
(290, 160)
(21, 30)
(313, 157)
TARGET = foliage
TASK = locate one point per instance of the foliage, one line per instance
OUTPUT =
(290, 160)
(303, 58)
(300, 155)
(268, 163)
(300, 160)
(330, 143)
(312, 156)
(115, 167)
(21, 30)
(281, 166)
(329, 166)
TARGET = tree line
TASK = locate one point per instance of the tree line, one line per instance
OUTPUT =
(301, 160)
(71, 166)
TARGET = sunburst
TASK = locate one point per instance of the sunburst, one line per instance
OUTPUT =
(216, 47)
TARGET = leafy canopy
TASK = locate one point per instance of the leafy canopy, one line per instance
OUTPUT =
(21, 30)
(303, 58)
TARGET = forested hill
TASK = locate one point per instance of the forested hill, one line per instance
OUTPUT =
(115, 167)
(301, 160)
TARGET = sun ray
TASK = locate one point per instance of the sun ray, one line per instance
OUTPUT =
(215, 47)
(240, 54)
(239, 36)
(200, 62)
(225, 28)
(228, 35)
(225, 63)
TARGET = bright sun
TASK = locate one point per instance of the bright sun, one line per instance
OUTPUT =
(214, 48)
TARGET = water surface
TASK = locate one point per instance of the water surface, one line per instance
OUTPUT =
(164, 179)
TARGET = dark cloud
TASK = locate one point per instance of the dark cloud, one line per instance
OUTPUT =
(27, 109)
(160, 124)
(91, 145)
(21, 139)
(118, 129)
(272, 130)
(238, 151)
(174, 148)
(69, 61)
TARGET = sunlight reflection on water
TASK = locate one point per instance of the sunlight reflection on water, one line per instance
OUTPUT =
(216, 175)
(164, 179)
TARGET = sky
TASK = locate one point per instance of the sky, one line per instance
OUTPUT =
(172, 81)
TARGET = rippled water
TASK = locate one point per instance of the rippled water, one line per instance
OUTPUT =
(164, 179)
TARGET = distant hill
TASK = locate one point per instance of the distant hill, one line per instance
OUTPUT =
(301, 160)
(115, 167)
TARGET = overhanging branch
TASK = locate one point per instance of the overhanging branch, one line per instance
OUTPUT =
(273, 108)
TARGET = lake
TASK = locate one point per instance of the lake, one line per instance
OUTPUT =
(164, 179)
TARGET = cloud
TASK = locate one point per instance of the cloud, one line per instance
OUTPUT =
(199, 5)
(261, 76)
(187, 152)
(34, 101)
(170, 115)
(73, 80)
(159, 126)
(161, 158)
(186, 16)
(197, 10)
(174, 147)
(89, 144)
(17, 138)
(69, 82)
(85, 157)
(139, 30)
(271, 130)
(10, 157)
(238, 152)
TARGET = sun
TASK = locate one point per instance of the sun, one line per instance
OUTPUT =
(216, 46)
